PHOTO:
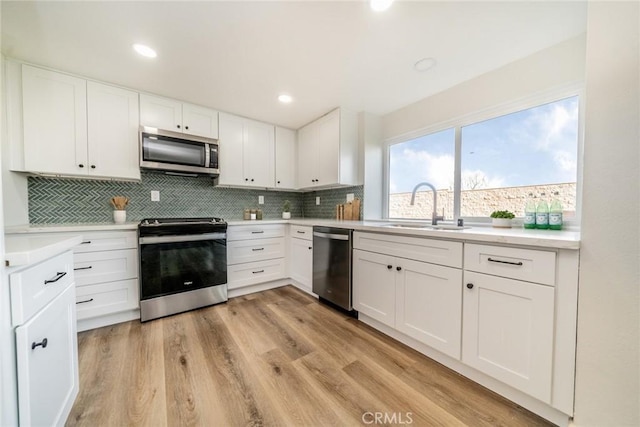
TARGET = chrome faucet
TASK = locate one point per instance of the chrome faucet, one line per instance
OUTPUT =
(434, 215)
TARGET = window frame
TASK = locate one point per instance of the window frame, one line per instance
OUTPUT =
(457, 123)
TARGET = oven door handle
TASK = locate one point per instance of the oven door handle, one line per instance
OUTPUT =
(152, 240)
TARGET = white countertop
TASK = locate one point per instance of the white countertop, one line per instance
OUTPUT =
(21, 250)
(562, 239)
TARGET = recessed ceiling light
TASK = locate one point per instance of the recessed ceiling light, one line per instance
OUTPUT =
(145, 50)
(425, 64)
(380, 5)
(285, 99)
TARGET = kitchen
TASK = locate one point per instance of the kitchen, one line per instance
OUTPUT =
(606, 61)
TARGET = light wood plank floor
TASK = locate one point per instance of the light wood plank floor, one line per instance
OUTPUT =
(276, 358)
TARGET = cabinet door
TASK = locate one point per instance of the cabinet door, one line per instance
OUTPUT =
(374, 289)
(161, 113)
(301, 262)
(307, 155)
(55, 122)
(200, 121)
(48, 375)
(285, 158)
(429, 305)
(508, 331)
(259, 154)
(328, 149)
(231, 150)
(113, 131)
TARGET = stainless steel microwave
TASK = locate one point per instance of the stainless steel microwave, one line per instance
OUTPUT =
(178, 153)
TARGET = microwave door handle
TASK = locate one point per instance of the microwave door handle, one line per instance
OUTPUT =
(207, 155)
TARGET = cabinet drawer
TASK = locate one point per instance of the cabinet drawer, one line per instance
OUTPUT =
(99, 267)
(428, 250)
(522, 264)
(246, 232)
(254, 250)
(33, 288)
(302, 232)
(106, 298)
(255, 272)
(107, 241)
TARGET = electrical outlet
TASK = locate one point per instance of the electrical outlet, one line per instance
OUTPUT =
(318, 200)
(350, 197)
(261, 200)
(155, 196)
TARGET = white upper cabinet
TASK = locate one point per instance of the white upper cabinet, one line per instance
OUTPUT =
(78, 128)
(113, 131)
(328, 151)
(247, 152)
(285, 158)
(55, 122)
(176, 116)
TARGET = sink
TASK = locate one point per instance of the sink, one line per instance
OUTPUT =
(429, 227)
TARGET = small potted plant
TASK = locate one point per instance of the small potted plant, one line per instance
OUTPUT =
(502, 219)
(286, 210)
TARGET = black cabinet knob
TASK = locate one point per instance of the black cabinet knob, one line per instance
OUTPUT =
(310, 248)
(43, 343)
(278, 182)
(389, 267)
(246, 179)
(93, 166)
(470, 285)
(186, 127)
(398, 268)
(178, 126)
(80, 165)
(251, 179)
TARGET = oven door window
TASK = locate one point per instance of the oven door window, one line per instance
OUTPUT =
(165, 149)
(170, 268)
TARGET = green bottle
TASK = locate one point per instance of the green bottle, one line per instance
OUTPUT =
(542, 214)
(555, 213)
(530, 213)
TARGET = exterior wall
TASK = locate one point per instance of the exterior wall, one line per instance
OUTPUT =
(481, 202)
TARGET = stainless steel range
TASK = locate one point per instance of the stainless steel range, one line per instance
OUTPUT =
(183, 265)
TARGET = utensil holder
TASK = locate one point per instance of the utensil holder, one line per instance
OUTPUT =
(119, 217)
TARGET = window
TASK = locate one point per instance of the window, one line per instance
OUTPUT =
(429, 158)
(502, 162)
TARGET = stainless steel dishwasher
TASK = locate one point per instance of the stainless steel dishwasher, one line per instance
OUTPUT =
(332, 265)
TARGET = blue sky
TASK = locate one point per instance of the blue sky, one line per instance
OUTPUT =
(530, 147)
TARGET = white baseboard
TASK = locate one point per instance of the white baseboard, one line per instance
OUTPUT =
(109, 319)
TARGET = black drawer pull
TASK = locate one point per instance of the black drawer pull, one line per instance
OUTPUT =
(398, 268)
(55, 279)
(86, 242)
(504, 262)
(257, 249)
(257, 232)
(301, 232)
(469, 285)
(259, 271)
(85, 301)
(83, 268)
(43, 343)
(310, 247)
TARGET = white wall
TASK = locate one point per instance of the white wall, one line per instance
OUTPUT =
(369, 132)
(556, 67)
(608, 359)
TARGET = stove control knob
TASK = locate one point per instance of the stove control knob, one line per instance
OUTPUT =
(156, 222)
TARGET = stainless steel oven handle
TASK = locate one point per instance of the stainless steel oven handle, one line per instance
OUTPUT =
(152, 240)
(331, 236)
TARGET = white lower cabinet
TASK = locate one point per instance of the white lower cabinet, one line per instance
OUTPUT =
(508, 331)
(419, 299)
(255, 254)
(301, 258)
(47, 360)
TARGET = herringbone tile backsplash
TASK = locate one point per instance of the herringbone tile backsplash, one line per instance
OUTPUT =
(60, 201)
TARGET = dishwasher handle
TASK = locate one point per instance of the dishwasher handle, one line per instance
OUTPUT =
(331, 236)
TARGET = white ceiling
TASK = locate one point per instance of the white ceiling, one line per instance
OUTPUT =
(238, 56)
